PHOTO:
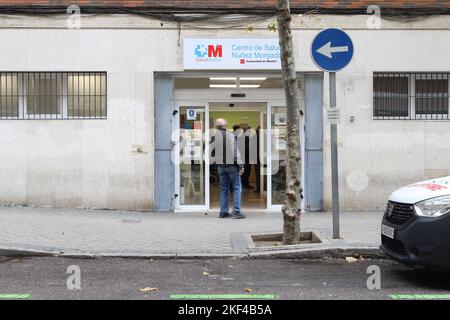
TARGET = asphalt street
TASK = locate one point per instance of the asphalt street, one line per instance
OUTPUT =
(46, 278)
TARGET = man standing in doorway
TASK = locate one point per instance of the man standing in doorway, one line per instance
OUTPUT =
(230, 168)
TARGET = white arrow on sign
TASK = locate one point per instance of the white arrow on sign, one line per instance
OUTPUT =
(327, 50)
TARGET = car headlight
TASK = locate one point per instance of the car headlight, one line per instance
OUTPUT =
(433, 208)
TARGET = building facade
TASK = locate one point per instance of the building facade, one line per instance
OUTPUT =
(112, 110)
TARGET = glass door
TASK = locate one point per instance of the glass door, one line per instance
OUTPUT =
(191, 162)
(277, 155)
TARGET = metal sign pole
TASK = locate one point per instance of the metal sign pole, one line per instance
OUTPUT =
(332, 50)
(334, 159)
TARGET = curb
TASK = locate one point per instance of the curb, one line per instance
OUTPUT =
(21, 252)
(322, 253)
(306, 253)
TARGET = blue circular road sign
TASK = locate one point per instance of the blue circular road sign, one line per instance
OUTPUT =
(332, 50)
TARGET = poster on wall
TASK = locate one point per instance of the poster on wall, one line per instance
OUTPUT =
(280, 119)
(198, 125)
(191, 114)
(231, 53)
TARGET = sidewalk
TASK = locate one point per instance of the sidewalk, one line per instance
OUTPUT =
(72, 232)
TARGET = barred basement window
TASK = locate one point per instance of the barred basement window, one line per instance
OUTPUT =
(9, 100)
(53, 95)
(43, 95)
(87, 95)
(390, 95)
(432, 94)
(411, 96)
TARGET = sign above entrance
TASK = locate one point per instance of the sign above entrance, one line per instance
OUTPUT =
(231, 54)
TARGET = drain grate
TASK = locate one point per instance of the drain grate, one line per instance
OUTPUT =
(130, 220)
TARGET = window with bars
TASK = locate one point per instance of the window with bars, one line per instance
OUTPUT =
(53, 95)
(411, 96)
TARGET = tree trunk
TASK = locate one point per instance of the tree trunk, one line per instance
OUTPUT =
(291, 208)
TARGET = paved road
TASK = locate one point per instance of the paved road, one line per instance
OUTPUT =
(45, 278)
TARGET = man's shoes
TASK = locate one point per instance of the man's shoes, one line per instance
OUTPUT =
(224, 215)
(236, 215)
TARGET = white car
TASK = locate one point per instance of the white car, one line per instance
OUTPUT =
(416, 224)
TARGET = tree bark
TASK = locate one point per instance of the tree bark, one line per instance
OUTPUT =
(291, 208)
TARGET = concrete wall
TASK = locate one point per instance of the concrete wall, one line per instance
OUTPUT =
(91, 163)
(82, 163)
(378, 156)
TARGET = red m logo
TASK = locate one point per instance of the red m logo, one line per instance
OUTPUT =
(215, 51)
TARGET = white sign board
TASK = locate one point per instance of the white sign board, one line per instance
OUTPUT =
(191, 114)
(231, 53)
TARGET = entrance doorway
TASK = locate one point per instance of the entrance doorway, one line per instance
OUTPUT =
(183, 103)
(249, 123)
(197, 184)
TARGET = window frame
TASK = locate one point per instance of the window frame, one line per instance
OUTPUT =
(412, 95)
(433, 116)
(6, 117)
(62, 81)
(100, 96)
(62, 99)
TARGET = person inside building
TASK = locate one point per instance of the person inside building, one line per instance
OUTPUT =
(237, 131)
(230, 168)
(258, 163)
(243, 137)
(247, 164)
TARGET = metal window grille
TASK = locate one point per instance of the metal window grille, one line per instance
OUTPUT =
(53, 95)
(411, 96)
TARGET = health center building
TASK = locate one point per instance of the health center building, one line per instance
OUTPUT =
(110, 104)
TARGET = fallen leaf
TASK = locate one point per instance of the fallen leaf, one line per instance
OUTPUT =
(147, 289)
(248, 290)
(351, 259)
